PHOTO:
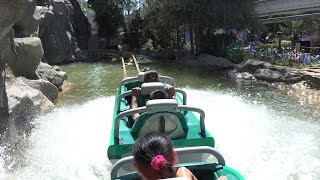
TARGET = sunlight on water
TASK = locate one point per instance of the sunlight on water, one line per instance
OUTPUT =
(71, 142)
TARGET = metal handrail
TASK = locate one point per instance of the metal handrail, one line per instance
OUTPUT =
(180, 151)
(184, 95)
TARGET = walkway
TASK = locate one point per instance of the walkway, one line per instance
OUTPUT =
(274, 11)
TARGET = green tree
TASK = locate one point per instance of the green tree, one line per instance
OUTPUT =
(109, 16)
(199, 17)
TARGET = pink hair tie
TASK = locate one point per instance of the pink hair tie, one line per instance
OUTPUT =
(157, 161)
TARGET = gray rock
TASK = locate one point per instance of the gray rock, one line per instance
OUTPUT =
(213, 62)
(56, 33)
(52, 74)
(25, 103)
(267, 74)
(278, 76)
(10, 13)
(243, 76)
(28, 26)
(26, 56)
(252, 65)
(47, 89)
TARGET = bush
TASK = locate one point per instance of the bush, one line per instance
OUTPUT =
(236, 54)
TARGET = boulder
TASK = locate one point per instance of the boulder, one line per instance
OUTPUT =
(25, 58)
(25, 103)
(242, 76)
(56, 33)
(252, 65)
(213, 62)
(10, 13)
(53, 74)
(267, 75)
(28, 26)
(47, 88)
(278, 75)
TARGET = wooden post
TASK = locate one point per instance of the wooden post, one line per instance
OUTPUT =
(135, 62)
(124, 67)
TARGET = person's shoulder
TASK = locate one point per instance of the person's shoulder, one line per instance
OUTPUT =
(178, 178)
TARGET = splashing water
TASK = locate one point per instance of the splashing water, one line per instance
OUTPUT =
(261, 143)
(71, 143)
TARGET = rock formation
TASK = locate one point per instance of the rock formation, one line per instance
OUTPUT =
(57, 33)
(32, 31)
(25, 57)
(10, 12)
(267, 72)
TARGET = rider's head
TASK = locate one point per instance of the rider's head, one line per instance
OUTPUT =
(154, 156)
(151, 76)
(159, 94)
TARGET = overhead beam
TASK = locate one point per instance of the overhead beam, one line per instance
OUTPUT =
(278, 7)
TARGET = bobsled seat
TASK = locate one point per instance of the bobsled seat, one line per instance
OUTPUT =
(162, 116)
(147, 89)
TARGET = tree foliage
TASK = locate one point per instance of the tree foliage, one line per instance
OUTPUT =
(109, 16)
(198, 16)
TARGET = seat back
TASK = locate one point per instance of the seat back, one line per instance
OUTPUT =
(147, 89)
(161, 116)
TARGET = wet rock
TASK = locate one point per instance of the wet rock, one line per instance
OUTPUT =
(47, 88)
(244, 76)
(312, 76)
(25, 103)
(252, 65)
(267, 75)
(53, 74)
(267, 72)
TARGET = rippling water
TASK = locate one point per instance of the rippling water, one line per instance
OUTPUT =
(261, 131)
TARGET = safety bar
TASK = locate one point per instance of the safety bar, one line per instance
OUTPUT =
(125, 114)
(144, 109)
(120, 97)
(136, 78)
(180, 151)
(184, 95)
(128, 93)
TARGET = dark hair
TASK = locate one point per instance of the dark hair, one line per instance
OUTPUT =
(151, 76)
(159, 94)
(148, 147)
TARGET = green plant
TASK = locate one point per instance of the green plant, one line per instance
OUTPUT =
(236, 54)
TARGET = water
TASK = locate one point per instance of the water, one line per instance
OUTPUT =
(261, 132)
